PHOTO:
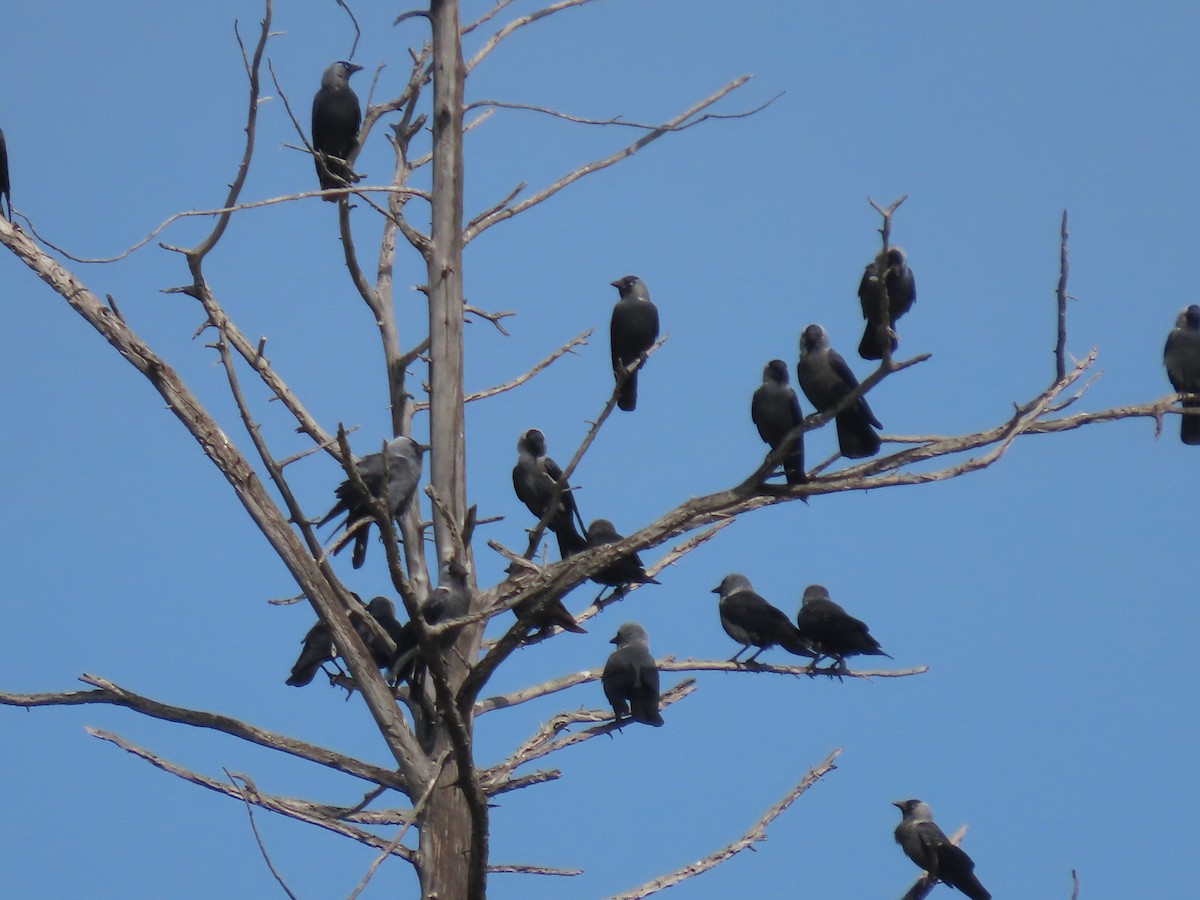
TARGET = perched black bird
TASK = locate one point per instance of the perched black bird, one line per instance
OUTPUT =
(633, 331)
(752, 621)
(5, 187)
(336, 116)
(451, 599)
(552, 613)
(630, 677)
(534, 478)
(383, 611)
(1181, 356)
(927, 845)
(901, 294)
(825, 379)
(625, 571)
(775, 409)
(318, 649)
(828, 630)
(403, 471)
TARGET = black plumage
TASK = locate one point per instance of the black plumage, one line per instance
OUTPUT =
(625, 571)
(901, 293)
(630, 677)
(826, 379)
(828, 630)
(336, 115)
(1181, 356)
(775, 410)
(534, 478)
(927, 845)
(383, 611)
(451, 599)
(5, 187)
(317, 650)
(632, 331)
(403, 474)
(752, 621)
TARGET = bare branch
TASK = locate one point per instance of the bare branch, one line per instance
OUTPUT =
(678, 123)
(258, 837)
(111, 694)
(514, 25)
(755, 833)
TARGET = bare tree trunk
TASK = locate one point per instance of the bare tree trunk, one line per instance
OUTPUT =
(453, 849)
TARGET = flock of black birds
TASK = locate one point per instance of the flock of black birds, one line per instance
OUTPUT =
(630, 678)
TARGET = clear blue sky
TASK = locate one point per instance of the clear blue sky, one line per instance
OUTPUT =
(1056, 719)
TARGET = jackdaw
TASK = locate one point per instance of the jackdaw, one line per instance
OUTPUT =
(828, 630)
(403, 473)
(383, 611)
(534, 478)
(826, 379)
(927, 845)
(336, 116)
(630, 677)
(752, 621)
(625, 571)
(775, 409)
(451, 599)
(5, 187)
(633, 331)
(1181, 356)
(901, 290)
(318, 650)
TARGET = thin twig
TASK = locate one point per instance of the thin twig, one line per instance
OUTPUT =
(258, 837)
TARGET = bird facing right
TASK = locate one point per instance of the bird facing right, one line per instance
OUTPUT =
(826, 379)
(336, 115)
(630, 677)
(403, 473)
(632, 332)
(1181, 356)
(927, 845)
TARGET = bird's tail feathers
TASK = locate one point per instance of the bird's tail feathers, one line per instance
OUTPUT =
(1189, 426)
(627, 399)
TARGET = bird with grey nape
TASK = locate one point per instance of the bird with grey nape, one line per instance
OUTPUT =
(336, 116)
(403, 467)
(828, 630)
(826, 380)
(897, 290)
(927, 845)
(5, 187)
(1181, 356)
(752, 621)
(625, 571)
(775, 411)
(632, 332)
(630, 677)
(534, 479)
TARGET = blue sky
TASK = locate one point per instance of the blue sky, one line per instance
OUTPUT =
(1056, 720)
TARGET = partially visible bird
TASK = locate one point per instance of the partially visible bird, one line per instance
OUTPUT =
(403, 473)
(775, 410)
(752, 621)
(901, 289)
(630, 677)
(336, 116)
(451, 599)
(383, 611)
(534, 478)
(318, 649)
(927, 845)
(625, 571)
(828, 630)
(1181, 356)
(5, 187)
(826, 379)
(632, 331)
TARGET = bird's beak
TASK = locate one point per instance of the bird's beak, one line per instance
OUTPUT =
(352, 68)
(614, 640)
(616, 283)
(899, 804)
(716, 590)
(423, 448)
